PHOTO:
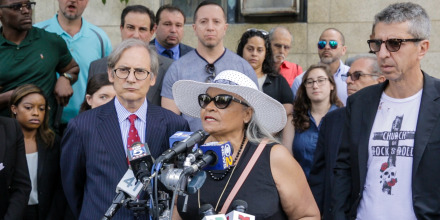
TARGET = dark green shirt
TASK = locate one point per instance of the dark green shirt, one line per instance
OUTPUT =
(34, 61)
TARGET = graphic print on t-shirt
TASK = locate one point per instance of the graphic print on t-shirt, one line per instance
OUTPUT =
(387, 191)
(388, 171)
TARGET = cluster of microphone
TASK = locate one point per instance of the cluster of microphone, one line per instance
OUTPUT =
(187, 178)
(207, 212)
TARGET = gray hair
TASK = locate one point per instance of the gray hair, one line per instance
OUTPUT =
(272, 31)
(414, 14)
(129, 43)
(256, 133)
(375, 66)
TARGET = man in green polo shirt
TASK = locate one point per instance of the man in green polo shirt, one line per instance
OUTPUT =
(30, 55)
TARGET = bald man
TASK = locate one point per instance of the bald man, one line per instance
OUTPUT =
(281, 42)
(331, 47)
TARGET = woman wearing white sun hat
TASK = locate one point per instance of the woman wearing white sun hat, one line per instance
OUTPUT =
(232, 109)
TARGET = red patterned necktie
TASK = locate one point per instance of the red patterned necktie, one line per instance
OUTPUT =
(133, 135)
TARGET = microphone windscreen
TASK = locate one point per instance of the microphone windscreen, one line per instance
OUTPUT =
(206, 210)
(239, 205)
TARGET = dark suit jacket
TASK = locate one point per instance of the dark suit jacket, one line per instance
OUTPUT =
(321, 175)
(183, 48)
(351, 166)
(100, 66)
(93, 158)
(52, 203)
(15, 184)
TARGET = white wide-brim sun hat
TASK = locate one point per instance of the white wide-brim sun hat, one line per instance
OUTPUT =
(269, 112)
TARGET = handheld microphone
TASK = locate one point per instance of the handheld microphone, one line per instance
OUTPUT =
(182, 146)
(114, 207)
(140, 160)
(223, 152)
(127, 187)
(207, 212)
(238, 213)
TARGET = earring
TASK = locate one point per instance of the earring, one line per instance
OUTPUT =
(15, 113)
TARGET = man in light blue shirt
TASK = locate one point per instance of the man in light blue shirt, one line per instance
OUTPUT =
(331, 47)
(86, 43)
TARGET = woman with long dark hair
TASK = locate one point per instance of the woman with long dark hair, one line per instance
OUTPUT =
(254, 47)
(316, 97)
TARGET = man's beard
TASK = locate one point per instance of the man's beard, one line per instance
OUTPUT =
(329, 60)
(70, 16)
(279, 58)
(210, 45)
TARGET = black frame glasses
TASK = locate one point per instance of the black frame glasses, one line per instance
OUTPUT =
(356, 75)
(210, 69)
(124, 72)
(20, 6)
(332, 43)
(309, 83)
(392, 45)
(263, 32)
(221, 101)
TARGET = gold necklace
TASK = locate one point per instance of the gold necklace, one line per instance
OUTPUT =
(223, 191)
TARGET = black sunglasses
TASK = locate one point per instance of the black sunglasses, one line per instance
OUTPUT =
(392, 45)
(210, 69)
(356, 75)
(333, 44)
(20, 6)
(221, 101)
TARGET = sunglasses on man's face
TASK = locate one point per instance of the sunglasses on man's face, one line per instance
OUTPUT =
(392, 45)
(20, 6)
(333, 44)
(221, 101)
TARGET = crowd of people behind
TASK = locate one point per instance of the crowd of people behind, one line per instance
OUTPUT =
(332, 141)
